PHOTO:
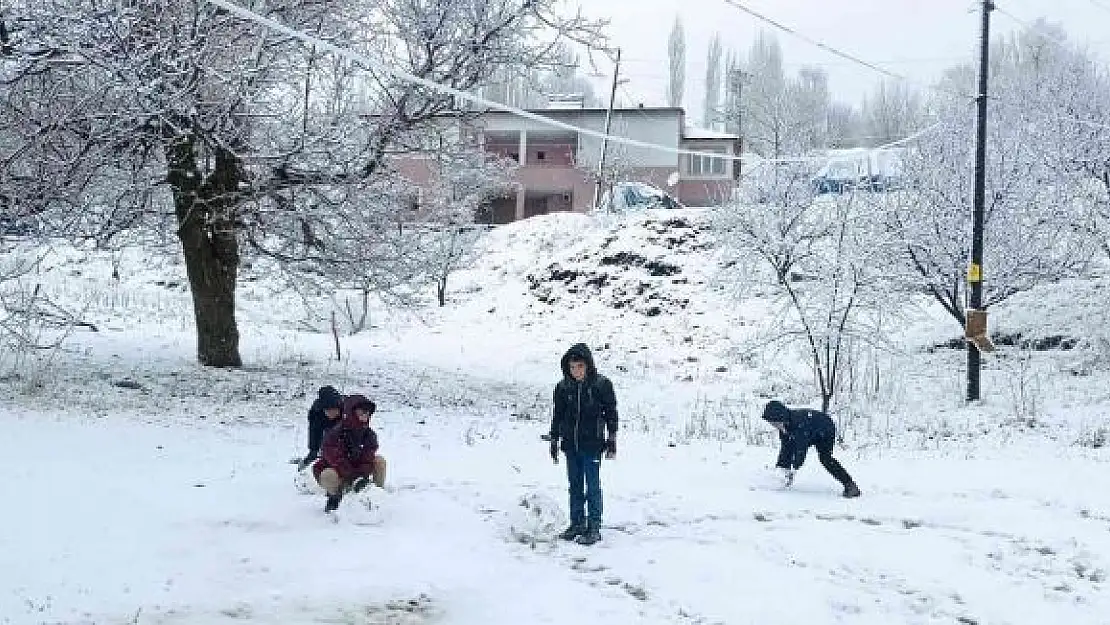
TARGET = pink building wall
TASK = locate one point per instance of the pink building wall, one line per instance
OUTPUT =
(710, 192)
(549, 181)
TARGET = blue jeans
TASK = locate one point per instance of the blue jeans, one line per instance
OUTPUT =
(584, 470)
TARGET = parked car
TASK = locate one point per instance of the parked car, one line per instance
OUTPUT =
(840, 175)
(637, 196)
(864, 170)
(12, 227)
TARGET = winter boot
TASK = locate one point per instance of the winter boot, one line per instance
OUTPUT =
(333, 502)
(591, 536)
(572, 532)
(851, 490)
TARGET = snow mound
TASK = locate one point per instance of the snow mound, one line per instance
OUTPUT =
(652, 264)
(369, 507)
(305, 484)
(512, 249)
(538, 519)
(1057, 315)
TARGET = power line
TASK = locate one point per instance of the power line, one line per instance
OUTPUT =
(1100, 4)
(885, 72)
(901, 61)
(249, 15)
(823, 46)
(837, 52)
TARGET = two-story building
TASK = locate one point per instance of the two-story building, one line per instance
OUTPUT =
(557, 168)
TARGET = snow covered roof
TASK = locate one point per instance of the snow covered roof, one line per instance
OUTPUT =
(704, 133)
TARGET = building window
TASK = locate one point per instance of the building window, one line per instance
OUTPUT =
(514, 156)
(706, 166)
(541, 155)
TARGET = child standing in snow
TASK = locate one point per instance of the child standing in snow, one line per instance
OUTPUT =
(585, 409)
(323, 414)
(350, 459)
(798, 430)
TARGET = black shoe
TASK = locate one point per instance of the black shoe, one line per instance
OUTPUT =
(851, 490)
(572, 532)
(591, 536)
(333, 502)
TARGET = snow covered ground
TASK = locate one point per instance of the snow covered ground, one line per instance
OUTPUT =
(145, 489)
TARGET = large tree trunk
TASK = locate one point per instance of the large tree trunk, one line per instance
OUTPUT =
(211, 249)
(212, 262)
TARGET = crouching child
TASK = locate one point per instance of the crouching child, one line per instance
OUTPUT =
(322, 416)
(349, 459)
(798, 431)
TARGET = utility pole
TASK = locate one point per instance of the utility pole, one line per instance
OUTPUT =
(608, 125)
(736, 87)
(975, 271)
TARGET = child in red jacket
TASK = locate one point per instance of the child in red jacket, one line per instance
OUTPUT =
(349, 458)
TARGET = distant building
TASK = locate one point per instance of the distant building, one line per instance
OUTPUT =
(557, 167)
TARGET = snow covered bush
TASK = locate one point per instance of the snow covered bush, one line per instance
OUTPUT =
(824, 264)
(32, 325)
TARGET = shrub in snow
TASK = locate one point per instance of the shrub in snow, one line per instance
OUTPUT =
(1095, 438)
(824, 263)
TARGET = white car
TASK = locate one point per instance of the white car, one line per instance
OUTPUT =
(636, 196)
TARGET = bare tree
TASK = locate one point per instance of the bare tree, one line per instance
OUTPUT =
(765, 109)
(844, 125)
(676, 55)
(534, 87)
(712, 114)
(619, 167)
(810, 93)
(822, 262)
(893, 111)
(467, 183)
(780, 115)
(260, 144)
(1031, 219)
(732, 112)
(1037, 228)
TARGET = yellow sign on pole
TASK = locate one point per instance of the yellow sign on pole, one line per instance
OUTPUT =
(974, 273)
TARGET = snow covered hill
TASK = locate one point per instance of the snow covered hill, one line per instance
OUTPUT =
(143, 488)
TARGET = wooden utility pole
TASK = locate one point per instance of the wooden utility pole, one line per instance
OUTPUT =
(735, 121)
(608, 125)
(975, 271)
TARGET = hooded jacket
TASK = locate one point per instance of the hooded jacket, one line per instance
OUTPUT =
(318, 422)
(802, 428)
(350, 447)
(583, 411)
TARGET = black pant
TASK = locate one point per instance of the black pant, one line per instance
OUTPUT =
(824, 454)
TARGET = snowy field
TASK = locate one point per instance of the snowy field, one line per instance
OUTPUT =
(145, 489)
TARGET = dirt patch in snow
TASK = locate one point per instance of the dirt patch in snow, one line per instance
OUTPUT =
(649, 266)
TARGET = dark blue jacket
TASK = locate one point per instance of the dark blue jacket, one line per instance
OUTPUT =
(583, 411)
(318, 422)
(803, 428)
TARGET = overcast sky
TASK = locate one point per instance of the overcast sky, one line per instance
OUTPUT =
(917, 38)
